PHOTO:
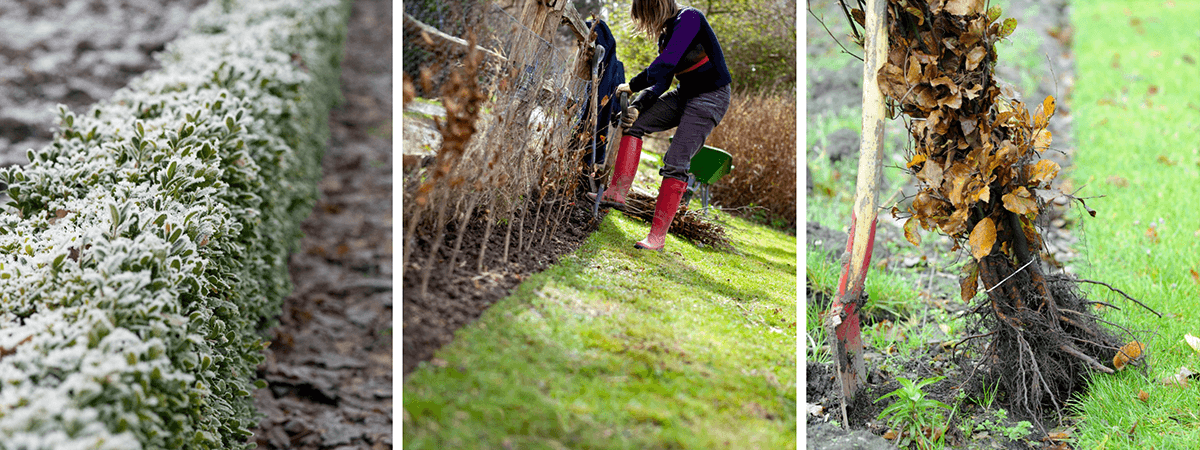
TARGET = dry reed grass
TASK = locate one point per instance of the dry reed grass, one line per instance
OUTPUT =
(759, 130)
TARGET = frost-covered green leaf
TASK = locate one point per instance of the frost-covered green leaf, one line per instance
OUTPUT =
(144, 248)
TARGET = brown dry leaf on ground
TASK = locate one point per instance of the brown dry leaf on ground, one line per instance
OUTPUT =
(1057, 439)
(1152, 235)
(1117, 181)
(1130, 352)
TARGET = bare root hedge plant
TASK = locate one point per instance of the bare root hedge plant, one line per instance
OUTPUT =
(505, 159)
(976, 153)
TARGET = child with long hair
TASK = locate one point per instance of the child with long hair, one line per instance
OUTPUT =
(688, 50)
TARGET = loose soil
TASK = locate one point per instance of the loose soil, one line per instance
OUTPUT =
(329, 366)
(834, 90)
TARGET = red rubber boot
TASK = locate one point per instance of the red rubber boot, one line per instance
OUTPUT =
(664, 212)
(628, 156)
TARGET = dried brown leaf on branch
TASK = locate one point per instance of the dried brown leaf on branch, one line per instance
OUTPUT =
(910, 231)
(983, 237)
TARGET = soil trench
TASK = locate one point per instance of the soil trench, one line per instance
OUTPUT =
(329, 364)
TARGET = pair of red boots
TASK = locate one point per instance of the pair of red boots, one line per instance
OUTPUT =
(669, 193)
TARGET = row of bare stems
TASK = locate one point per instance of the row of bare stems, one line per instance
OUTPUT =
(505, 157)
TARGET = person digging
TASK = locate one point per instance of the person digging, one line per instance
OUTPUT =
(688, 51)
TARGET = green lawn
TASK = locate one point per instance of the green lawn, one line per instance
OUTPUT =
(1137, 120)
(614, 348)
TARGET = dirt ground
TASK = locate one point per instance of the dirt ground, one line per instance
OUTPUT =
(46, 58)
(834, 90)
(329, 365)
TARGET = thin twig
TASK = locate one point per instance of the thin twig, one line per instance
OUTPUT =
(835, 39)
(1067, 347)
(850, 18)
(487, 233)
(1122, 293)
(1093, 317)
(964, 340)
(1097, 302)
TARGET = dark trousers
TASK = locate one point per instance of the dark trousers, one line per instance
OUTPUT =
(695, 118)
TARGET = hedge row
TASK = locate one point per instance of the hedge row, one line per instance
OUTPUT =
(144, 249)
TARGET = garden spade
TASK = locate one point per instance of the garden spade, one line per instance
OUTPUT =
(599, 168)
(842, 322)
(599, 56)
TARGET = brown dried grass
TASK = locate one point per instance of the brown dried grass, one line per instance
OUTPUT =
(690, 225)
(759, 130)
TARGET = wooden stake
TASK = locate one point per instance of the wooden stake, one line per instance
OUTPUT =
(843, 325)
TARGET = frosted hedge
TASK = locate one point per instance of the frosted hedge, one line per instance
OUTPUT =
(146, 247)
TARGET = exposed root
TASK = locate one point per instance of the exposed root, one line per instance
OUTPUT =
(1081, 280)
(976, 153)
(1044, 339)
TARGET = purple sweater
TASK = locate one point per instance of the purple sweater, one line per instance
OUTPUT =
(687, 40)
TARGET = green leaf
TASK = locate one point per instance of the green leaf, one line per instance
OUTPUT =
(1010, 25)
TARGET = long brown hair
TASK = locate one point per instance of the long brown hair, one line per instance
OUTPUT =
(651, 16)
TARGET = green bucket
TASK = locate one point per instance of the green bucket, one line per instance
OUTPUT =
(710, 164)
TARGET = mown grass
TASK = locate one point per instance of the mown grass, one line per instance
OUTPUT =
(614, 348)
(1137, 102)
